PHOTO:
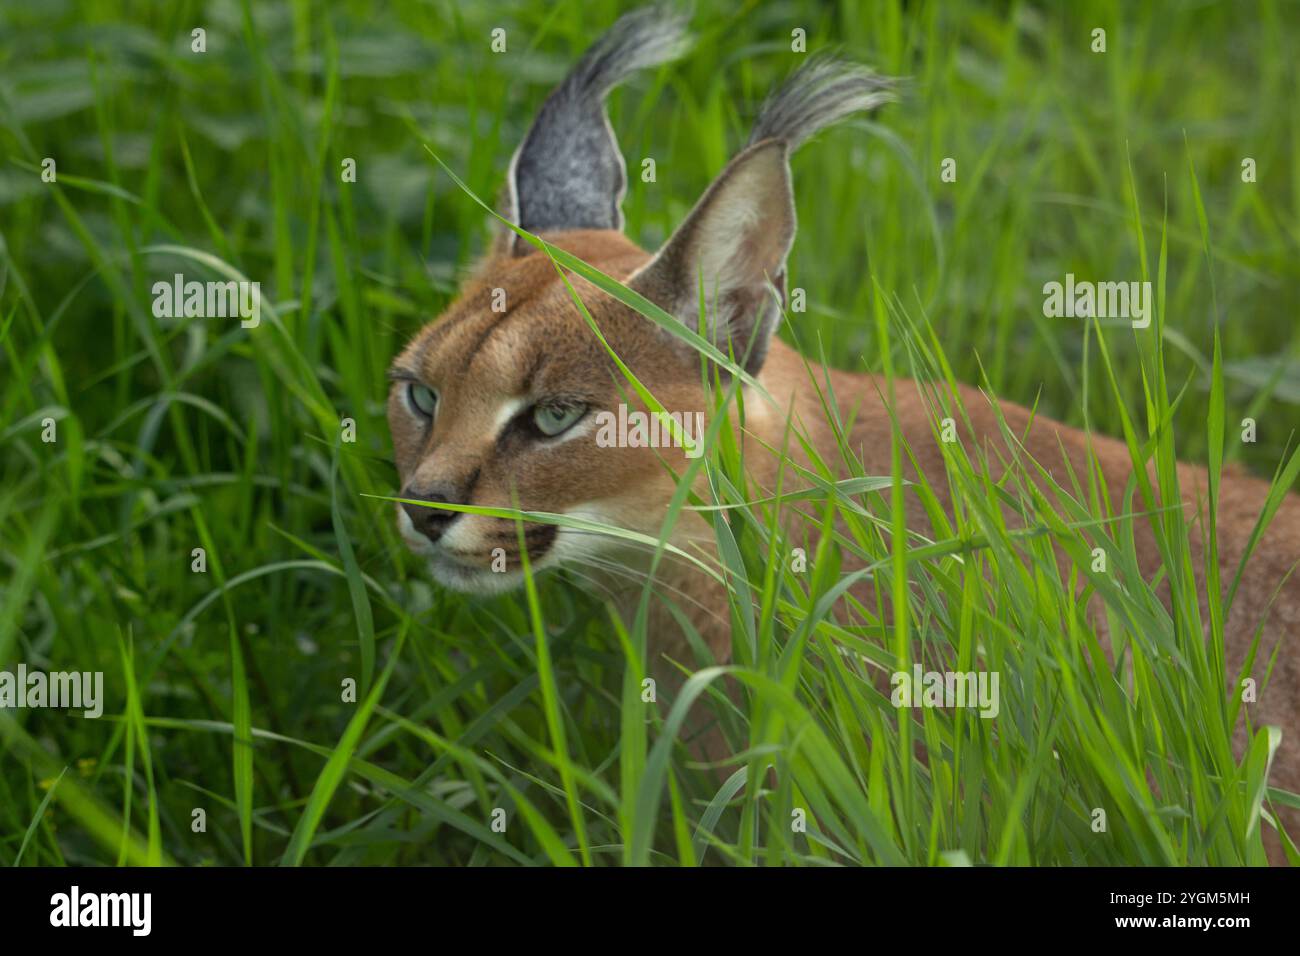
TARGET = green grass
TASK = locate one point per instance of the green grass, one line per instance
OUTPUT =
(225, 689)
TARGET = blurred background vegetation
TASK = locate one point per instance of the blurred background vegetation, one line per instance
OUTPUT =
(180, 433)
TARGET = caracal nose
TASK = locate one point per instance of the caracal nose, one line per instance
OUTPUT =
(430, 522)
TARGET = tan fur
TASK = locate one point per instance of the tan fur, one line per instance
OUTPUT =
(478, 359)
(493, 371)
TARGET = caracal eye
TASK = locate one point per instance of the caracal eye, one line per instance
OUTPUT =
(555, 418)
(422, 398)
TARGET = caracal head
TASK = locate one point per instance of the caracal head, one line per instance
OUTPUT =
(509, 400)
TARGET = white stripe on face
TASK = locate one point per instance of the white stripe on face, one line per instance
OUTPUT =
(513, 406)
(584, 427)
(508, 410)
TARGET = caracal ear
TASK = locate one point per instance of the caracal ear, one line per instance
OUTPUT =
(736, 239)
(734, 242)
(568, 172)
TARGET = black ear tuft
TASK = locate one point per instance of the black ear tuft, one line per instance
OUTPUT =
(823, 91)
(736, 239)
(568, 172)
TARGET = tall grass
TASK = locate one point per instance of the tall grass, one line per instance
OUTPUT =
(225, 687)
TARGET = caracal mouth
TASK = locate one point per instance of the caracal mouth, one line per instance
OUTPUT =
(460, 562)
(457, 574)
